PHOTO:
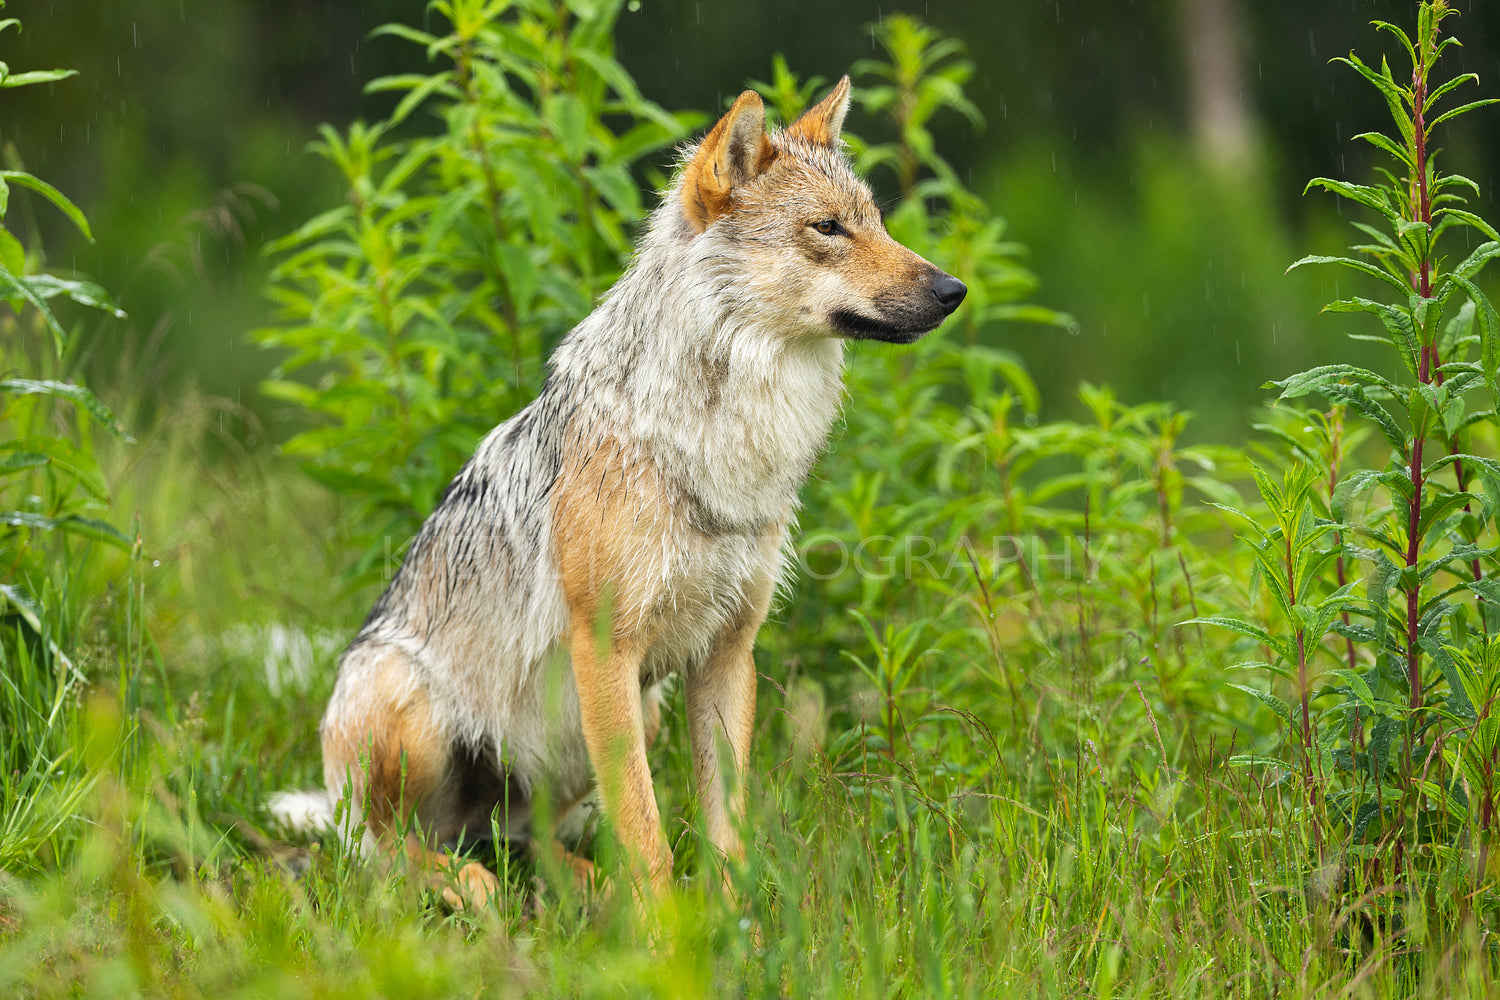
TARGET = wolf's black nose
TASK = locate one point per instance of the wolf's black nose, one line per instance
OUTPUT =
(949, 292)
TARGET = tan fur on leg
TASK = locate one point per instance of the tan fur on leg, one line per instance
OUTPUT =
(609, 696)
(606, 513)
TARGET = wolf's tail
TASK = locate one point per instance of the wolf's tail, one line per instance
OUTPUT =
(309, 811)
(318, 811)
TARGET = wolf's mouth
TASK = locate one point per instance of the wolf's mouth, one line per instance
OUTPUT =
(860, 327)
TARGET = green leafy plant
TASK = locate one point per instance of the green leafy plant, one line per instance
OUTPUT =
(417, 315)
(53, 498)
(966, 536)
(1381, 577)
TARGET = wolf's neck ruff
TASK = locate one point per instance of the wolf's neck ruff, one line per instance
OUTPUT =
(683, 368)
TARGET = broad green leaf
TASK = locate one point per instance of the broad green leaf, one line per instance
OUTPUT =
(1487, 588)
(520, 272)
(1444, 88)
(1489, 328)
(19, 460)
(34, 615)
(1382, 734)
(1441, 506)
(13, 288)
(567, 117)
(1449, 215)
(1352, 486)
(1473, 463)
(1358, 685)
(63, 455)
(1275, 704)
(1357, 265)
(1454, 342)
(1458, 697)
(1397, 321)
(1476, 260)
(52, 194)
(77, 394)
(1416, 237)
(618, 188)
(1385, 423)
(87, 527)
(1242, 628)
(397, 30)
(1371, 197)
(1460, 110)
(85, 293)
(12, 254)
(640, 139)
(35, 76)
(1381, 141)
(418, 88)
(1316, 379)
(1257, 760)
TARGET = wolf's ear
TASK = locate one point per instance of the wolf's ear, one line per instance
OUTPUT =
(734, 152)
(822, 122)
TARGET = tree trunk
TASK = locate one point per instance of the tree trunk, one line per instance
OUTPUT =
(1219, 109)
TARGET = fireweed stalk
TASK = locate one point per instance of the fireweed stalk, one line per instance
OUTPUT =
(1397, 582)
(1408, 254)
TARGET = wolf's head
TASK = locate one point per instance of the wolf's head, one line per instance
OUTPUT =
(804, 231)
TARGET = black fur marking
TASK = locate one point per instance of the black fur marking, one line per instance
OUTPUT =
(858, 327)
(739, 160)
(472, 533)
(479, 785)
(710, 525)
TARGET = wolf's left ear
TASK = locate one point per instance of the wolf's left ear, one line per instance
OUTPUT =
(822, 122)
(734, 152)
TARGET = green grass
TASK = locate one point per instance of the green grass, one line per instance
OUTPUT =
(1055, 821)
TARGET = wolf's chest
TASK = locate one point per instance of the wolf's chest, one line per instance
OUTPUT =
(742, 455)
(706, 587)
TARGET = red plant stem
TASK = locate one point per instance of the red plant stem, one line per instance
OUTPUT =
(1423, 278)
(1419, 135)
(1423, 285)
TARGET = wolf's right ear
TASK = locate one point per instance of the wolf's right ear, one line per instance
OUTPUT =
(734, 152)
(822, 123)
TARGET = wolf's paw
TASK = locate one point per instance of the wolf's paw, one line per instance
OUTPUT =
(475, 885)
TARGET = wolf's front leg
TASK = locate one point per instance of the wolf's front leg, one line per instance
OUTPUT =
(609, 702)
(721, 715)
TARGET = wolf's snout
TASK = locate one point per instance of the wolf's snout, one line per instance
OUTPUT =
(949, 292)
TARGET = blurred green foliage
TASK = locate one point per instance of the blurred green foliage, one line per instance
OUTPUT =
(53, 501)
(185, 139)
(425, 305)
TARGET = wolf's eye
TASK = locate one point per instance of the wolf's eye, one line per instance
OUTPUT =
(830, 227)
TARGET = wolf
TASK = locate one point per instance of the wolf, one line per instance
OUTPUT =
(630, 525)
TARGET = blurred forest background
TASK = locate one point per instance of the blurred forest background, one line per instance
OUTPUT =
(1150, 154)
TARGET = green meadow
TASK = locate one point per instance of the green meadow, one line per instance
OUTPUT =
(1066, 695)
